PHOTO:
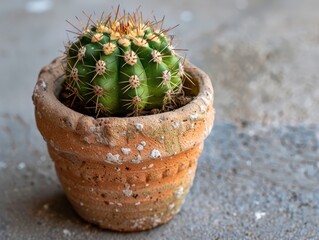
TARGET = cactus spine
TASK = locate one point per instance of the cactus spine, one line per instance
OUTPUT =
(123, 66)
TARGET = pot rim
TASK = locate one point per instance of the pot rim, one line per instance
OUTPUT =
(49, 88)
(189, 125)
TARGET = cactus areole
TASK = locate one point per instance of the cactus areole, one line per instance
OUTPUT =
(123, 65)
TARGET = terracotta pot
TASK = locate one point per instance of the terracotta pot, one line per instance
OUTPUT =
(124, 174)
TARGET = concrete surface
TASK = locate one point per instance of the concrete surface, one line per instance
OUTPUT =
(253, 182)
(258, 175)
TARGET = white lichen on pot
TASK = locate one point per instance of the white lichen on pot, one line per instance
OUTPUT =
(124, 172)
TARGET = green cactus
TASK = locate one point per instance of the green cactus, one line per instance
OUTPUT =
(123, 66)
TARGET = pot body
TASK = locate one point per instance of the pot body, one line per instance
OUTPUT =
(124, 174)
(130, 196)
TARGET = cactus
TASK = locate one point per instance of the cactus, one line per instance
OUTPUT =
(123, 66)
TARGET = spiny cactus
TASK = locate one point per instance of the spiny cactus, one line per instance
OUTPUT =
(123, 66)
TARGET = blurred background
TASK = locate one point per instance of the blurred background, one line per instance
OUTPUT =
(262, 55)
(258, 175)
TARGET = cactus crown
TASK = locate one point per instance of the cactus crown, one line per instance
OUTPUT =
(123, 66)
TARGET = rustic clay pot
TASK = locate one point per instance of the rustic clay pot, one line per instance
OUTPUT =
(124, 174)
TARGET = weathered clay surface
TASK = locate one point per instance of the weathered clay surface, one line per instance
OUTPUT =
(125, 174)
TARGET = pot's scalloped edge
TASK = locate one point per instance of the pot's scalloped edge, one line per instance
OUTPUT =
(117, 139)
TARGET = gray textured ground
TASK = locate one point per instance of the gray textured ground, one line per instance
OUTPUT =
(258, 177)
(253, 182)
